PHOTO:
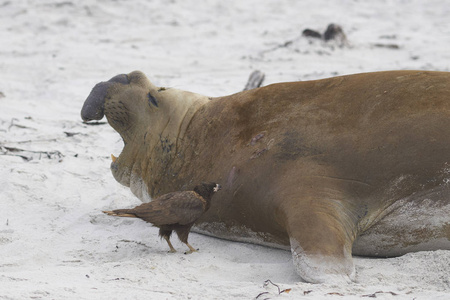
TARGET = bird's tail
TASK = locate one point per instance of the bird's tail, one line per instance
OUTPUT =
(120, 213)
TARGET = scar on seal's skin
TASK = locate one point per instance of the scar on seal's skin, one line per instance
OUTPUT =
(257, 138)
(258, 153)
(232, 176)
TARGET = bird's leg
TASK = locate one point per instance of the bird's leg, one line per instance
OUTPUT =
(192, 249)
(172, 249)
(183, 233)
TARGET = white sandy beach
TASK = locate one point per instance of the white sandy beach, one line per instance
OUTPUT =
(55, 242)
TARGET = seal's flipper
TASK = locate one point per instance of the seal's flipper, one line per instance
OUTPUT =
(319, 268)
(321, 238)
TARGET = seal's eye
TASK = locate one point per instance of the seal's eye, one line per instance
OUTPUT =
(152, 100)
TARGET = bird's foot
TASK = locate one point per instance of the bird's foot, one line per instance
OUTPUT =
(191, 251)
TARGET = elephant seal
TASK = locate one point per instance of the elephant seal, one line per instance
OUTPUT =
(356, 164)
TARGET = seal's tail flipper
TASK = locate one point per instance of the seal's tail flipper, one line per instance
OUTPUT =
(255, 80)
(120, 213)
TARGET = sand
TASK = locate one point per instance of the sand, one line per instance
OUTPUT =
(54, 170)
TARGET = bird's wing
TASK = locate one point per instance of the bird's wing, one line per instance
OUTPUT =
(172, 208)
(188, 207)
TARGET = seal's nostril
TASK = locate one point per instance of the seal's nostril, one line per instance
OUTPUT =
(93, 108)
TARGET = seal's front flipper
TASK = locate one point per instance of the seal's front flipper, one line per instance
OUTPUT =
(321, 242)
(318, 268)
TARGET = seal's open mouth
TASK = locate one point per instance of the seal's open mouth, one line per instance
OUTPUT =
(120, 171)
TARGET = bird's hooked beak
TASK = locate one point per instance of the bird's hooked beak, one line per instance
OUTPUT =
(217, 188)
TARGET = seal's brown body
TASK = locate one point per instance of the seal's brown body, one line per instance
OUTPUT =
(359, 161)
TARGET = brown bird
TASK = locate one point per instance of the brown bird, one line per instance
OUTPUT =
(174, 211)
